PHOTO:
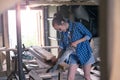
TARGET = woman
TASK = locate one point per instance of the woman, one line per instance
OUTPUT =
(76, 35)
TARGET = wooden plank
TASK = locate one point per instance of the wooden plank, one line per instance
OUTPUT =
(34, 75)
(29, 61)
(8, 49)
(6, 57)
(41, 70)
(42, 65)
(48, 75)
(47, 55)
(2, 48)
(34, 53)
(40, 59)
(49, 47)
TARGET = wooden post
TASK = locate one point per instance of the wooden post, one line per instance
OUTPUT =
(19, 43)
(114, 39)
(110, 39)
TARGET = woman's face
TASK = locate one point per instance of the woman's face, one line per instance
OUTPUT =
(62, 27)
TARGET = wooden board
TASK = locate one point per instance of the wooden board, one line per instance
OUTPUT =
(35, 74)
(47, 55)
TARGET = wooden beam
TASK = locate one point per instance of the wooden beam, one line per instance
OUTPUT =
(34, 75)
(58, 3)
(8, 49)
(47, 55)
(103, 51)
(40, 76)
(5, 5)
(49, 47)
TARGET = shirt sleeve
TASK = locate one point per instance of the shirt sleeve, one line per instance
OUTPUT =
(87, 37)
(84, 30)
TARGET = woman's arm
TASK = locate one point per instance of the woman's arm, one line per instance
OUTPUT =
(83, 30)
(75, 43)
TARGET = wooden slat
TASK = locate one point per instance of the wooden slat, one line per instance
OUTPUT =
(48, 75)
(40, 76)
(6, 58)
(47, 55)
(34, 75)
(8, 49)
(42, 63)
(34, 53)
(2, 48)
(49, 47)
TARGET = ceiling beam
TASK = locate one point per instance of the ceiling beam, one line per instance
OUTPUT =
(58, 3)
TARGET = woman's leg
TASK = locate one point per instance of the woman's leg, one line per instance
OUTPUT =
(72, 70)
(86, 69)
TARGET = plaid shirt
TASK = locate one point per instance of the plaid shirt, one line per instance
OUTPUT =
(77, 31)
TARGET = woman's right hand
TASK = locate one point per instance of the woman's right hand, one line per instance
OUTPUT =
(54, 60)
(74, 44)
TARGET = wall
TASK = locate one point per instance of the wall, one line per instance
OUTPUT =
(53, 33)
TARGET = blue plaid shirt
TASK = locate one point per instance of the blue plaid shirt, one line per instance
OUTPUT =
(77, 31)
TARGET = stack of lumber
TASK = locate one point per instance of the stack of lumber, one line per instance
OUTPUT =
(42, 52)
(42, 58)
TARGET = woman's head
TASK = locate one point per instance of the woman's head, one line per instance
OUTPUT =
(59, 22)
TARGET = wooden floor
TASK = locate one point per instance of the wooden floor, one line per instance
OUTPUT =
(78, 76)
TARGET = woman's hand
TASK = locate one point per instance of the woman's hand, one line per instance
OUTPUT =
(54, 60)
(74, 44)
